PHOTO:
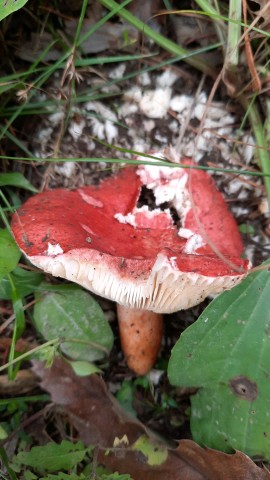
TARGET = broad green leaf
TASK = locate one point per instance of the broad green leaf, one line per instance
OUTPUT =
(9, 6)
(9, 253)
(53, 456)
(226, 353)
(25, 282)
(15, 179)
(77, 318)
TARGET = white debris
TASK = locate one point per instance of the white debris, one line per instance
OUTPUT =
(126, 219)
(76, 128)
(111, 131)
(235, 186)
(247, 148)
(185, 232)
(127, 109)
(66, 169)
(143, 217)
(214, 116)
(194, 242)
(144, 79)
(174, 126)
(97, 128)
(134, 94)
(101, 110)
(148, 125)
(103, 125)
(118, 72)
(167, 78)
(90, 144)
(160, 138)
(53, 250)
(181, 103)
(43, 136)
(155, 103)
(56, 118)
(139, 144)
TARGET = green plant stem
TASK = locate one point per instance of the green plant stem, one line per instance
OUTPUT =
(25, 355)
(19, 325)
(261, 140)
(234, 31)
(234, 34)
(128, 161)
(160, 40)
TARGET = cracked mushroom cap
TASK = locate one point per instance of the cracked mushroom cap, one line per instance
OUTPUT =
(163, 257)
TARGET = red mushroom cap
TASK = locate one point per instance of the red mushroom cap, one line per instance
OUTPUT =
(97, 237)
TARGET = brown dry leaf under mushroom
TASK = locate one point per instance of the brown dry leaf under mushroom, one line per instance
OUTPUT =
(99, 420)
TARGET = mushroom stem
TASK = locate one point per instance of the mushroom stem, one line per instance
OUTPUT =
(141, 335)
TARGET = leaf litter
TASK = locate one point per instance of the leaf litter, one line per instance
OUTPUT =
(124, 444)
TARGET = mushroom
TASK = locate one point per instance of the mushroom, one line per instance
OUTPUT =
(150, 259)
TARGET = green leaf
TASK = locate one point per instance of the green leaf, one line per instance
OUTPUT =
(15, 179)
(82, 369)
(3, 433)
(25, 282)
(27, 475)
(53, 456)
(247, 229)
(77, 318)
(226, 353)
(9, 253)
(9, 6)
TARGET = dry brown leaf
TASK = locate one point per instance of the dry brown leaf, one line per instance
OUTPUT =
(99, 419)
(263, 12)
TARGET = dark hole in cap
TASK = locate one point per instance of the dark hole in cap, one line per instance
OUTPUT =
(147, 198)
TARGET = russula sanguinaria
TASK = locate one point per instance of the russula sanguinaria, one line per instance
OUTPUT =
(156, 258)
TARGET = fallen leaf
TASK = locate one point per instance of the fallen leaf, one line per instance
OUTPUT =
(77, 319)
(99, 420)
